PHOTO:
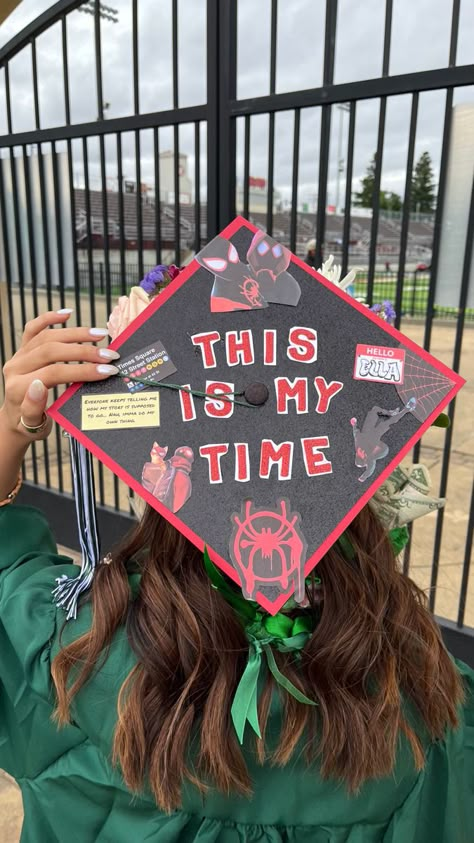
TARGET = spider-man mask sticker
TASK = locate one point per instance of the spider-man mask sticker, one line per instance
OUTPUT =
(382, 365)
(253, 283)
(269, 439)
(268, 549)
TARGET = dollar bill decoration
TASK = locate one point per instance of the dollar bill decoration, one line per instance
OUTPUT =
(405, 496)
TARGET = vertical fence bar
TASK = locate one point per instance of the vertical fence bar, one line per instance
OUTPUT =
(136, 89)
(90, 259)
(452, 407)
(98, 61)
(67, 101)
(72, 202)
(328, 76)
(271, 116)
(177, 239)
(19, 251)
(374, 226)
(57, 215)
(6, 254)
(225, 139)
(212, 73)
(105, 224)
(466, 563)
(406, 210)
(32, 254)
(139, 214)
(72, 198)
(387, 37)
(34, 65)
(346, 231)
(430, 305)
(177, 231)
(453, 44)
(105, 245)
(123, 280)
(294, 180)
(156, 154)
(90, 264)
(197, 187)
(60, 258)
(246, 165)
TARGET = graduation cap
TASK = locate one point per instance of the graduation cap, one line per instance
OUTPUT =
(258, 408)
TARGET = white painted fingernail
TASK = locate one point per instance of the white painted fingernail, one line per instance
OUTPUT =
(108, 354)
(36, 390)
(64, 310)
(98, 332)
(104, 369)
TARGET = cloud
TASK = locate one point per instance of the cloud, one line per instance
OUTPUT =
(420, 40)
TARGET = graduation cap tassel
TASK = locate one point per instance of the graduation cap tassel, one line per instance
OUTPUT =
(68, 589)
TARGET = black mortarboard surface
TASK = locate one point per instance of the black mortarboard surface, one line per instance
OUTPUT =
(325, 400)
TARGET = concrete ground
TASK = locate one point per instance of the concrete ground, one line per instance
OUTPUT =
(456, 514)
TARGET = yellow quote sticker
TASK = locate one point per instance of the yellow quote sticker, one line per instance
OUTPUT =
(109, 412)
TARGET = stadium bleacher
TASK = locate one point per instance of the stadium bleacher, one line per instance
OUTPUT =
(420, 234)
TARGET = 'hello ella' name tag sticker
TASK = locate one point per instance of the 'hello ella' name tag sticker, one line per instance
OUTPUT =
(379, 364)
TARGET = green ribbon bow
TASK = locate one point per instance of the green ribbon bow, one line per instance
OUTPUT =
(263, 632)
(283, 633)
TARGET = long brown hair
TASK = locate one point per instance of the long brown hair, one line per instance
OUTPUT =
(375, 664)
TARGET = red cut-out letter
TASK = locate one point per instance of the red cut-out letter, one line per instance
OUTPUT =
(296, 390)
(303, 345)
(239, 348)
(270, 453)
(206, 343)
(213, 454)
(269, 347)
(188, 410)
(325, 391)
(242, 463)
(315, 462)
(218, 409)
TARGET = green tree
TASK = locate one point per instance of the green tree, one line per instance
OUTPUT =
(422, 185)
(365, 197)
(388, 201)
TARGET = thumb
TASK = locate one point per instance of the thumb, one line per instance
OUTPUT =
(33, 407)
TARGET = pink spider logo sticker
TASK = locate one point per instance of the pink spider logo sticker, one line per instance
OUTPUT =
(267, 548)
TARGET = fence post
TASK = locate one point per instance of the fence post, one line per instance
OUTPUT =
(221, 92)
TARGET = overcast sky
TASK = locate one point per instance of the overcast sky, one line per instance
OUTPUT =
(420, 41)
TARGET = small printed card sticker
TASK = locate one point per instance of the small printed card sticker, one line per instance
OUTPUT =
(152, 363)
(379, 363)
(120, 410)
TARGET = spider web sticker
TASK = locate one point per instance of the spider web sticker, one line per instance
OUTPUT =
(427, 385)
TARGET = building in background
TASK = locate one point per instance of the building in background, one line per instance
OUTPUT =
(258, 196)
(167, 179)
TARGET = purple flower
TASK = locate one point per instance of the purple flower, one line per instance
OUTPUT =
(153, 278)
(385, 311)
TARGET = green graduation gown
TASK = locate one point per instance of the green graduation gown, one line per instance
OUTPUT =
(72, 793)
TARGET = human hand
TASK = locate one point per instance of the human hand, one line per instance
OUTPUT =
(47, 358)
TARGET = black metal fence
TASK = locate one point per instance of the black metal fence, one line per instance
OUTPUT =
(56, 197)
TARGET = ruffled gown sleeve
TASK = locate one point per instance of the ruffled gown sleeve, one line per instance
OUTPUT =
(29, 563)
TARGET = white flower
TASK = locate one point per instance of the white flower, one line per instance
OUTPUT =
(332, 272)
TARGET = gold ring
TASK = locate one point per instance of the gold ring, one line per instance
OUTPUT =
(39, 427)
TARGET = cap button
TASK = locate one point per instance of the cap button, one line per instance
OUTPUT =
(256, 393)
